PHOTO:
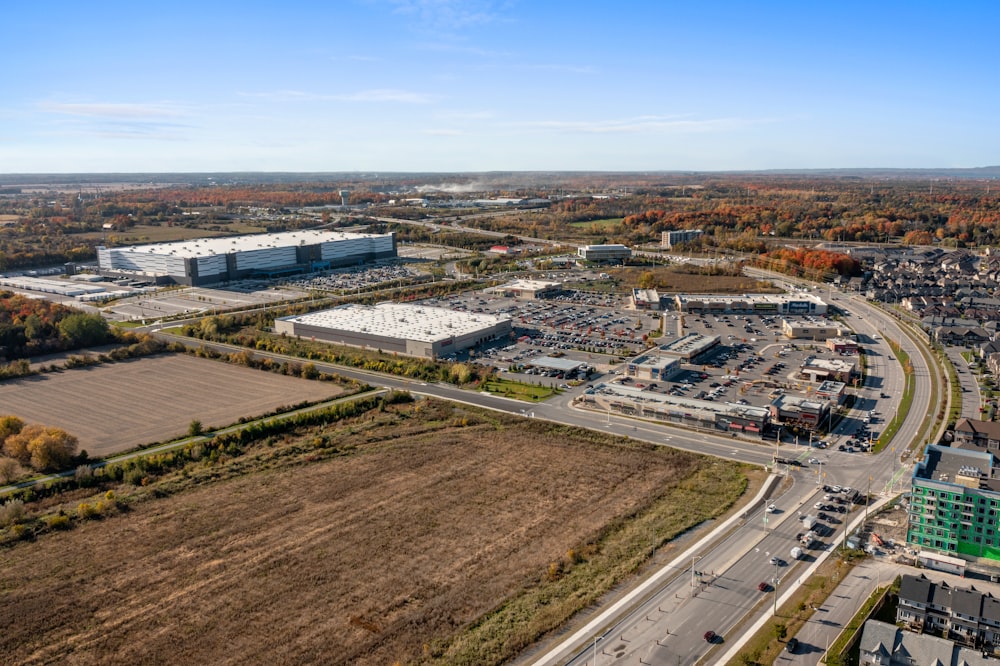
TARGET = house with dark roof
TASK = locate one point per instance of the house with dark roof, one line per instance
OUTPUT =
(976, 434)
(987, 348)
(968, 336)
(884, 644)
(964, 615)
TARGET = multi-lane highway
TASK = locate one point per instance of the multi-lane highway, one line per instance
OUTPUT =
(667, 624)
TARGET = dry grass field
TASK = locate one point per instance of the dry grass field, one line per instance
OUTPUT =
(431, 533)
(118, 406)
(142, 234)
(690, 280)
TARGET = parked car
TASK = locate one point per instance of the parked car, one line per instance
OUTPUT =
(792, 645)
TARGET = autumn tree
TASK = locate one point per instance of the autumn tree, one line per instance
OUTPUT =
(41, 447)
(9, 425)
(10, 469)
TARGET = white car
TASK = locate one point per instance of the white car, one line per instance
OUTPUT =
(818, 505)
(771, 508)
(814, 461)
(836, 489)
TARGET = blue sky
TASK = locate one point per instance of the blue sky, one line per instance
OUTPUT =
(481, 85)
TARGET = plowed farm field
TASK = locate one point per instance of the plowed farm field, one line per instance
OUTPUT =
(118, 406)
(399, 540)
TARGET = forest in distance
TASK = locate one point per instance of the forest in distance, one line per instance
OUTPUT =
(50, 220)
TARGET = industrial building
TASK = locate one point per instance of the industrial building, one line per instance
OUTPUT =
(817, 369)
(208, 260)
(766, 304)
(644, 299)
(413, 330)
(602, 254)
(832, 391)
(527, 290)
(796, 330)
(954, 505)
(670, 238)
(842, 345)
(796, 410)
(634, 401)
(654, 368)
(689, 346)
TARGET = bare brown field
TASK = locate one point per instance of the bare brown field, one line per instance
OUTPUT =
(687, 279)
(115, 407)
(141, 234)
(422, 523)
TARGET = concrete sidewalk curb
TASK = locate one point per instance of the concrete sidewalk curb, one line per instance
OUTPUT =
(749, 633)
(555, 655)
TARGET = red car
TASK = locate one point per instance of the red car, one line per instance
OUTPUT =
(710, 636)
(763, 587)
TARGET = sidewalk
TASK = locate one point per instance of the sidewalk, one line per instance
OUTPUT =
(822, 629)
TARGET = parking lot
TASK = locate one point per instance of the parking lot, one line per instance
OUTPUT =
(586, 327)
(752, 364)
(361, 278)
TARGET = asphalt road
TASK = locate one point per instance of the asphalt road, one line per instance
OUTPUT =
(669, 627)
(669, 623)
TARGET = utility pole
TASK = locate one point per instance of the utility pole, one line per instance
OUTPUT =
(775, 588)
(866, 500)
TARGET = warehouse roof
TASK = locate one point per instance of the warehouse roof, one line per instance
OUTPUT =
(399, 320)
(205, 247)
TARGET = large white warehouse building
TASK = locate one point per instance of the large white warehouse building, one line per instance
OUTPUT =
(404, 328)
(208, 260)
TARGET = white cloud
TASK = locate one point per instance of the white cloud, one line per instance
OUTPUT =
(447, 47)
(465, 115)
(448, 14)
(375, 95)
(111, 110)
(386, 95)
(639, 124)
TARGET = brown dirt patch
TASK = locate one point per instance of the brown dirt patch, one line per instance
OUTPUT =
(116, 407)
(689, 279)
(364, 558)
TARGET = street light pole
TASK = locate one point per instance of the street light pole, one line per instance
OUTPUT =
(867, 502)
(693, 560)
(775, 588)
(596, 638)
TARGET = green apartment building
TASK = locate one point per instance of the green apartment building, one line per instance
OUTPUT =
(955, 500)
